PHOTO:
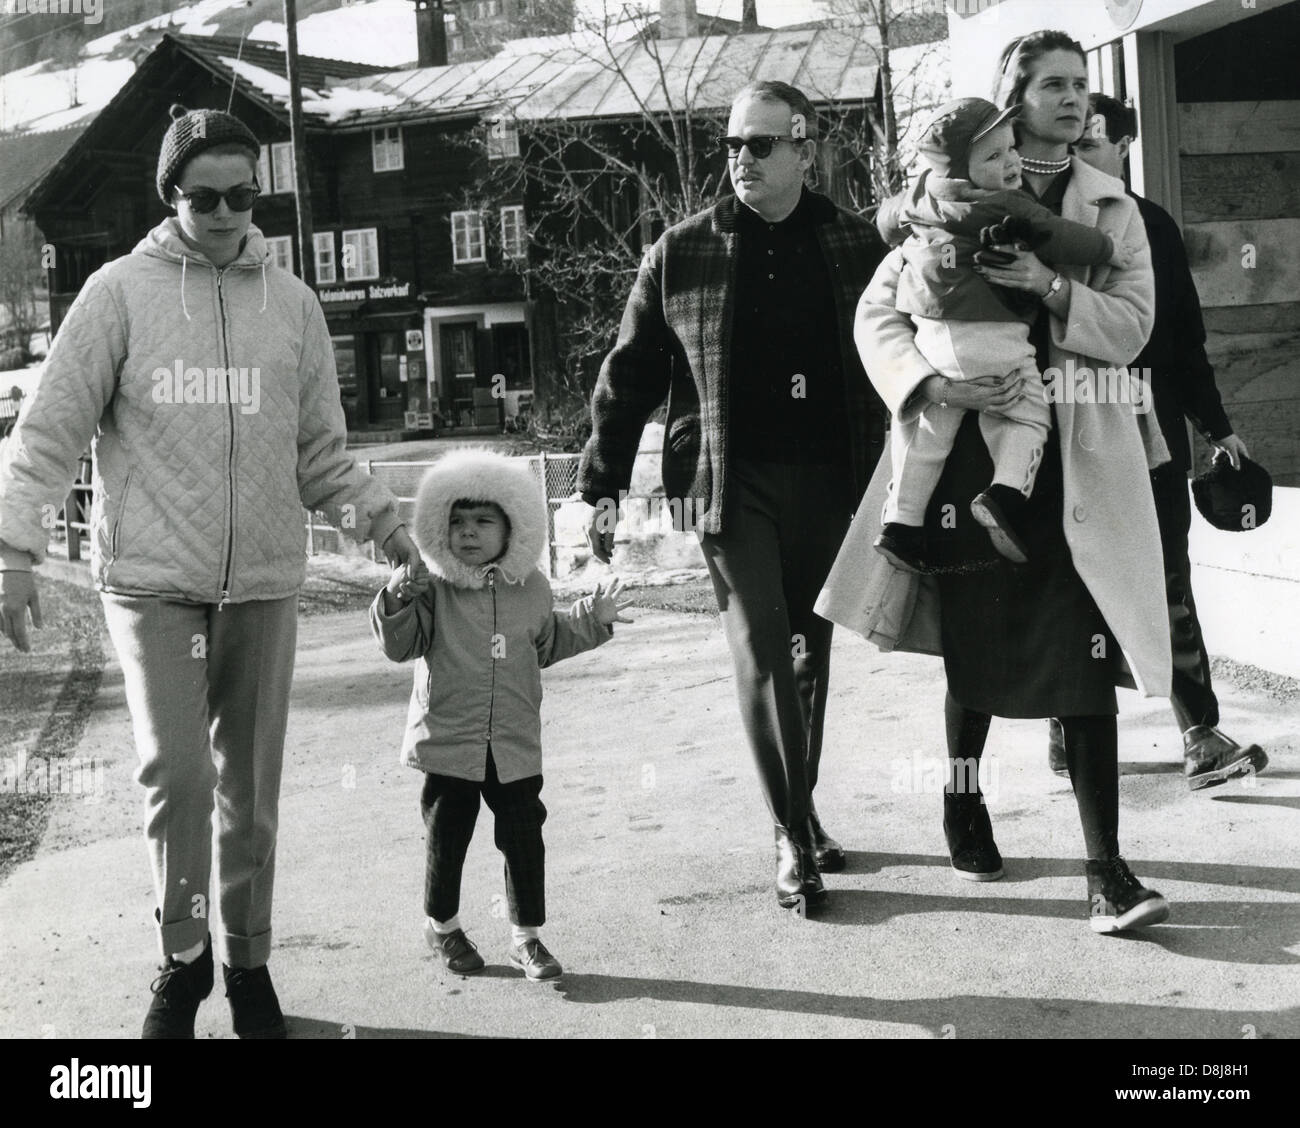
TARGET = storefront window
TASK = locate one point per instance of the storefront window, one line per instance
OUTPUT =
(392, 348)
(345, 360)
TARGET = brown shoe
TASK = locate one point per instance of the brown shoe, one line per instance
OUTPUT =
(1210, 758)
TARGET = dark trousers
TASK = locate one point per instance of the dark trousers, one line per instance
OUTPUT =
(781, 530)
(1192, 695)
(450, 809)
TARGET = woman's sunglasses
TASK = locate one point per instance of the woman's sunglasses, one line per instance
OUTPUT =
(760, 147)
(205, 200)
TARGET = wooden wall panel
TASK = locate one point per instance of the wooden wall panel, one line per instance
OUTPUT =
(1258, 375)
(1238, 127)
(1241, 186)
(1215, 251)
(1276, 318)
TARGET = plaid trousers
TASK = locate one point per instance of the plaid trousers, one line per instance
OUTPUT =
(450, 808)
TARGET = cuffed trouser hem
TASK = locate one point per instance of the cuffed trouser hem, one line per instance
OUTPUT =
(246, 951)
(180, 935)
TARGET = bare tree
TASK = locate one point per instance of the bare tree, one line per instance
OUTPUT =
(597, 193)
(20, 280)
(911, 51)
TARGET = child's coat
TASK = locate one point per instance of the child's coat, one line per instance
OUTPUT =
(481, 634)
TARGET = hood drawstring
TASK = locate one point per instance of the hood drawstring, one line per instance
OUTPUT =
(184, 308)
(263, 309)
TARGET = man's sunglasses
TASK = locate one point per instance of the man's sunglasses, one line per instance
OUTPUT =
(205, 200)
(760, 147)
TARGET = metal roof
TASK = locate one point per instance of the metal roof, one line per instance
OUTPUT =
(618, 80)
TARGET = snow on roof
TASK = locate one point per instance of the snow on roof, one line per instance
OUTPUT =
(381, 32)
(829, 65)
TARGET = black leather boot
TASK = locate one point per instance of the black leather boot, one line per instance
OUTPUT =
(798, 882)
(828, 853)
(969, 831)
(1118, 901)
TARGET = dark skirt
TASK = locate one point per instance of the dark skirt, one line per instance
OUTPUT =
(1019, 640)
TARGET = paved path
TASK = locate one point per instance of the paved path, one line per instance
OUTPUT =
(660, 862)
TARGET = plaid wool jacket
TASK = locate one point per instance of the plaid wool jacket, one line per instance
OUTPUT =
(675, 342)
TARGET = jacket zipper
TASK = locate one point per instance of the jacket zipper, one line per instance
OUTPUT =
(492, 696)
(230, 459)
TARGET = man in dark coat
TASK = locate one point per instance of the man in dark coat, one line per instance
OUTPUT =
(1182, 382)
(742, 316)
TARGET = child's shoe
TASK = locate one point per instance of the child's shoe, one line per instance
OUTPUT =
(1117, 900)
(903, 546)
(458, 951)
(532, 958)
(999, 509)
(177, 993)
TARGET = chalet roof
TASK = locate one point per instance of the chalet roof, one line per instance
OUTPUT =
(26, 157)
(828, 64)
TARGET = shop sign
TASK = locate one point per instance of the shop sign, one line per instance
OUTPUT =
(374, 292)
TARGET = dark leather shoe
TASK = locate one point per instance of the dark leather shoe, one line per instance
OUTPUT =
(903, 546)
(998, 509)
(1210, 758)
(798, 882)
(253, 1005)
(969, 831)
(459, 953)
(177, 993)
(1056, 748)
(828, 853)
(1118, 901)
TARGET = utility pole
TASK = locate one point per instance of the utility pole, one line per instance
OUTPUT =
(301, 182)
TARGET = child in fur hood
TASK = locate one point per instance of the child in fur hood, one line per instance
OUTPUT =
(482, 626)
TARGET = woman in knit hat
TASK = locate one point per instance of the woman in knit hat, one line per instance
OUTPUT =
(205, 376)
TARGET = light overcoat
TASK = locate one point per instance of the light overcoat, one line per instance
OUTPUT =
(1106, 448)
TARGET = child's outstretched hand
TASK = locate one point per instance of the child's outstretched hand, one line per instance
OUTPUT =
(407, 582)
(605, 605)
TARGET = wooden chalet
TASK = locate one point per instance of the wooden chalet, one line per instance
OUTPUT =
(415, 276)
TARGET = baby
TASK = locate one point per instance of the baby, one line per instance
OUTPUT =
(967, 198)
(482, 626)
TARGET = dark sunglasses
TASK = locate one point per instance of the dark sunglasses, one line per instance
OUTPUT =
(760, 146)
(205, 200)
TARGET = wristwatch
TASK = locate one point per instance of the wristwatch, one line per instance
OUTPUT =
(1054, 288)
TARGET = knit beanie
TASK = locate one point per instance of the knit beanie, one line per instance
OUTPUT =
(193, 132)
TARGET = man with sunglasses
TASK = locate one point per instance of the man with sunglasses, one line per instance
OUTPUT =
(742, 317)
(197, 539)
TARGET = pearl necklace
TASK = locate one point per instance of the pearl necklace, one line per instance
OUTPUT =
(1044, 168)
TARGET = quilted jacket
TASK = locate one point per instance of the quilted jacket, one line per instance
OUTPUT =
(213, 403)
(481, 635)
(675, 341)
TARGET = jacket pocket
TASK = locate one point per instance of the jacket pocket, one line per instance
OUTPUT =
(683, 475)
(119, 517)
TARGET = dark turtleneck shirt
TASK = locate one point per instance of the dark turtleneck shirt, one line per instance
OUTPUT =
(784, 326)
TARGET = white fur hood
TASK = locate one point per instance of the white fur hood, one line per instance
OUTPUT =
(480, 475)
